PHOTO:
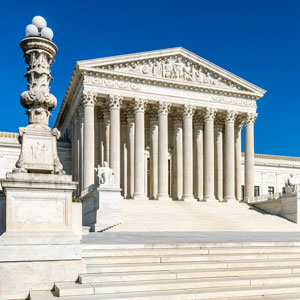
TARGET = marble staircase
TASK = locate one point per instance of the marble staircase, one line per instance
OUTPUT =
(235, 270)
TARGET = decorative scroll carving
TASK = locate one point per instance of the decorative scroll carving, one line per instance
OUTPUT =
(176, 68)
(229, 116)
(37, 100)
(188, 110)
(163, 107)
(250, 118)
(140, 105)
(209, 113)
(115, 102)
(89, 98)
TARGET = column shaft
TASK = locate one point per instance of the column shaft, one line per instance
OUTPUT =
(163, 151)
(229, 165)
(153, 158)
(130, 153)
(106, 135)
(124, 155)
(139, 149)
(238, 149)
(177, 174)
(114, 137)
(219, 160)
(249, 155)
(89, 99)
(209, 154)
(198, 129)
(188, 153)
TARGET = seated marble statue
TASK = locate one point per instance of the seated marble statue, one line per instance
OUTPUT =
(291, 185)
(105, 175)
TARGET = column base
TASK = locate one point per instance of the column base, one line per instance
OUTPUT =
(163, 197)
(209, 198)
(138, 196)
(229, 199)
(188, 198)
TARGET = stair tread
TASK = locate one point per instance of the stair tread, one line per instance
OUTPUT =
(185, 271)
(269, 292)
(162, 282)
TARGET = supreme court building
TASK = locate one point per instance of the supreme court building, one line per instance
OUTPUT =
(168, 122)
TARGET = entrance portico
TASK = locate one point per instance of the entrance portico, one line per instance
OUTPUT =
(181, 111)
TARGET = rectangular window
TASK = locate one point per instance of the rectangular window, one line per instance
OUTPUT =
(283, 190)
(243, 191)
(256, 191)
(271, 189)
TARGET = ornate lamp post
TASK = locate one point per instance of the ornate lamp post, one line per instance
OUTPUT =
(39, 150)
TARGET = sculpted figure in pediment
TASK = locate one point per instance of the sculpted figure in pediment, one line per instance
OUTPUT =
(157, 69)
(168, 69)
(178, 68)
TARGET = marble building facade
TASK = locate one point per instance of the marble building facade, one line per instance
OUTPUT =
(168, 122)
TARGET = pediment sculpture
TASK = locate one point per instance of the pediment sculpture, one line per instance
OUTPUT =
(175, 68)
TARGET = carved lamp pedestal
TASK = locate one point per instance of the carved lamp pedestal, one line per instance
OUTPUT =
(43, 227)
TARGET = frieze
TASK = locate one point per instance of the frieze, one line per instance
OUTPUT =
(165, 90)
(177, 68)
(112, 83)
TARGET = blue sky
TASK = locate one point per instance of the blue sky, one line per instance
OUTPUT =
(256, 40)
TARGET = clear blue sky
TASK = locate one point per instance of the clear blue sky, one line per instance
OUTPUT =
(256, 40)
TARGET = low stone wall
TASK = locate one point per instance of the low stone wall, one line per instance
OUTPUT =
(286, 207)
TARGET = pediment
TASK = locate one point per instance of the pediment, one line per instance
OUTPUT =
(177, 65)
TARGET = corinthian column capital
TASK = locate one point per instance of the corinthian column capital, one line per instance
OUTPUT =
(188, 110)
(140, 105)
(114, 102)
(163, 107)
(89, 98)
(250, 118)
(209, 113)
(230, 116)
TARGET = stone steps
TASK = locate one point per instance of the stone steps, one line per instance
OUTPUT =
(185, 251)
(188, 258)
(180, 274)
(185, 271)
(278, 292)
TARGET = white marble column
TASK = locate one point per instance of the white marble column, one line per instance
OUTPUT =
(115, 102)
(102, 137)
(123, 120)
(77, 145)
(208, 185)
(229, 165)
(139, 148)
(238, 155)
(249, 155)
(153, 153)
(81, 149)
(163, 110)
(188, 111)
(219, 126)
(98, 115)
(177, 174)
(130, 153)
(198, 140)
(73, 120)
(106, 117)
(88, 101)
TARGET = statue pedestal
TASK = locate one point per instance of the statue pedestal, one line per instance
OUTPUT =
(101, 207)
(39, 246)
